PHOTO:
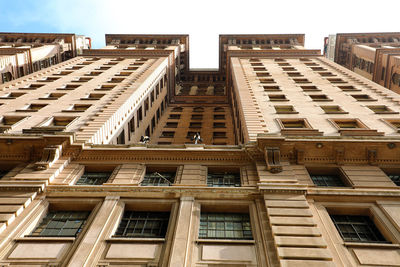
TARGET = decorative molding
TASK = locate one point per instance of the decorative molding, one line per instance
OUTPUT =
(372, 155)
(49, 155)
(272, 159)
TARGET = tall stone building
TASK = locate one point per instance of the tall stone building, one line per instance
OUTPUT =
(375, 56)
(25, 53)
(123, 156)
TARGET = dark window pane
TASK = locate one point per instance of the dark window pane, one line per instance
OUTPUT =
(327, 180)
(143, 224)
(225, 226)
(357, 229)
(61, 223)
(93, 178)
(223, 180)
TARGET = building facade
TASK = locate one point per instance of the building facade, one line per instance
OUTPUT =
(25, 53)
(123, 156)
(373, 55)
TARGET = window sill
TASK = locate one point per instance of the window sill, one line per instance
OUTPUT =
(135, 239)
(45, 238)
(370, 245)
(224, 241)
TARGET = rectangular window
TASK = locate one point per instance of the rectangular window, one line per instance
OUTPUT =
(143, 224)
(327, 180)
(225, 226)
(395, 178)
(320, 98)
(223, 179)
(381, 109)
(363, 98)
(3, 173)
(277, 98)
(195, 125)
(62, 224)
(327, 176)
(93, 178)
(154, 178)
(354, 228)
(166, 134)
(285, 110)
(333, 110)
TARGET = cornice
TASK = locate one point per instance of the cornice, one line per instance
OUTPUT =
(124, 52)
(163, 155)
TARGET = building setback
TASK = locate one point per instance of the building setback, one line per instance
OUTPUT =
(375, 56)
(123, 156)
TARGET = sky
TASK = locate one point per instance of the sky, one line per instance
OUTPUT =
(203, 20)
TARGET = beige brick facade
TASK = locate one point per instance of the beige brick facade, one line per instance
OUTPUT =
(298, 162)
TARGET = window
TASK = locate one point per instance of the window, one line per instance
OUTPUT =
(309, 88)
(78, 108)
(289, 69)
(143, 224)
(82, 79)
(48, 79)
(394, 123)
(219, 134)
(285, 110)
(52, 96)
(198, 109)
(333, 110)
(264, 74)
(395, 178)
(326, 74)
(69, 87)
(115, 80)
(225, 226)
(167, 134)
(363, 98)
(354, 228)
(320, 98)
(295, 74)
(105, 87)
(327, 180)
(195, 125)
(197, 117)
(348, 123)
(353, 127)
(301, 81)
(93, 96)
(62, 224)
(219, 116)
(32, 107)
(294, 123)
(336, 80)
(267, 81)
(277, 98)
(219, 125)
(177, 109)
(171, 125)
(93, 73)
(381, 109)
(175, 116)
(161, 178)
(348, 88)
(7, 122)
(12, 95)
(3, 173)
(93, 178)
(271, 88)
(223, 179)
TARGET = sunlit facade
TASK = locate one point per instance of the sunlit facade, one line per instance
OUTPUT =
(123, 156)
